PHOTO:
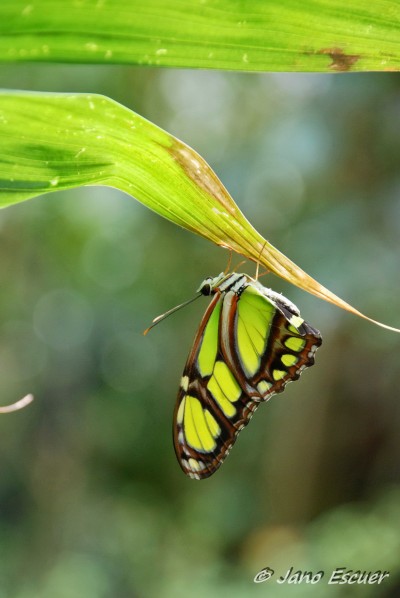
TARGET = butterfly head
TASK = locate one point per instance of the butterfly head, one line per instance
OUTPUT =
(209, 284)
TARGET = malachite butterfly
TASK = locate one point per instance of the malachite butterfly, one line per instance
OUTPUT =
(251, 342)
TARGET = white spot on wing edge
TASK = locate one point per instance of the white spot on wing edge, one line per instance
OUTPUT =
(181, 410)
(185, 383)
(195, 465)
(264, 386)
(296, 321)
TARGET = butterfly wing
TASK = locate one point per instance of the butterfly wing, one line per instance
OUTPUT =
(212, 407)
(251, 342)
(269, 344)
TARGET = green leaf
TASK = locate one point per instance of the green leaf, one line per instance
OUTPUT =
(50, 142)
(246, 35)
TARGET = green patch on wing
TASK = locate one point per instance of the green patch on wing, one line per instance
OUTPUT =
(254, 317)
(209, 345)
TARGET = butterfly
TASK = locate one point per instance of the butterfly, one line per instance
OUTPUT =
(250, 343)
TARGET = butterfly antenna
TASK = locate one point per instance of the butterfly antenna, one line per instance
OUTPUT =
(159, 319)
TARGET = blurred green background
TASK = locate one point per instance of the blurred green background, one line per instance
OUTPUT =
(93, 503)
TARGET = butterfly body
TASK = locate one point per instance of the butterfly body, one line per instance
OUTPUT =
(251, 342)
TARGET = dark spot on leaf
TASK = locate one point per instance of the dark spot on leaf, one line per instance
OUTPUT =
(340, 60)
(197, 169)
